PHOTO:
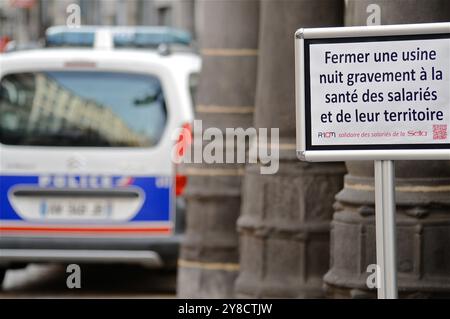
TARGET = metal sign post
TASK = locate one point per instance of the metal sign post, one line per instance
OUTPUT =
(385, 229)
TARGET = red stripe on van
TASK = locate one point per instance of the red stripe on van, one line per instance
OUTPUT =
(159, 230)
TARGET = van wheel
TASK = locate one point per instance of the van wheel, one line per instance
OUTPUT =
(2, 276)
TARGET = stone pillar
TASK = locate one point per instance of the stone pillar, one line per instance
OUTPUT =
(398, 11)
(284, 226)
(423, 199)
(184, 15)
(208, 264)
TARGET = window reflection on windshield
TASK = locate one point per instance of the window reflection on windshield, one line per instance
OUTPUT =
(81, 109)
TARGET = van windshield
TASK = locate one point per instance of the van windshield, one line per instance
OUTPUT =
(81, 109)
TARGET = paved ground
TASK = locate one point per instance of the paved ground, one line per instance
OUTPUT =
(97, 281)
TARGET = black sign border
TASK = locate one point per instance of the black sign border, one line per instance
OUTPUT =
(307, 80)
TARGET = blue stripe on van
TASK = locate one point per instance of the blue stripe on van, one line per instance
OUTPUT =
(156, 207)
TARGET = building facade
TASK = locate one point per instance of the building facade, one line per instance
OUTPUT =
(25, 21)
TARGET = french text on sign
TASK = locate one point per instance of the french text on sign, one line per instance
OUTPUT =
(360, 81)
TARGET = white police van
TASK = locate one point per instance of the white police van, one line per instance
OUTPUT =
(86, 139)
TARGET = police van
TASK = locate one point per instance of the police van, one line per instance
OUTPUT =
(86, 146)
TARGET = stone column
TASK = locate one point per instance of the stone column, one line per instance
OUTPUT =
(423, 199)
(284, 226)
(184, 15)
(208, 264)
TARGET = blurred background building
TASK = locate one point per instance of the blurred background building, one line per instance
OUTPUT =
(307, 227)
(25, 21)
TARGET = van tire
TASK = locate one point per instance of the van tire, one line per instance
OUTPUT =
(2, 276)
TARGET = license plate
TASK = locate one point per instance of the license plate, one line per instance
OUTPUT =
(76, 210)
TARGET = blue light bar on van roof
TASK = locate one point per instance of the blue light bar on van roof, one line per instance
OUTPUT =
(70, 39)
(151, 39)
(122, 37)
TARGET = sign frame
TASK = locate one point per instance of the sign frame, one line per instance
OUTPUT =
(307, 36)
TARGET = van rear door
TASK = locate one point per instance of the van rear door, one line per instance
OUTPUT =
(87, 153)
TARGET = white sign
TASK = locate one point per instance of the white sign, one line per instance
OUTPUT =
(374, 92)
